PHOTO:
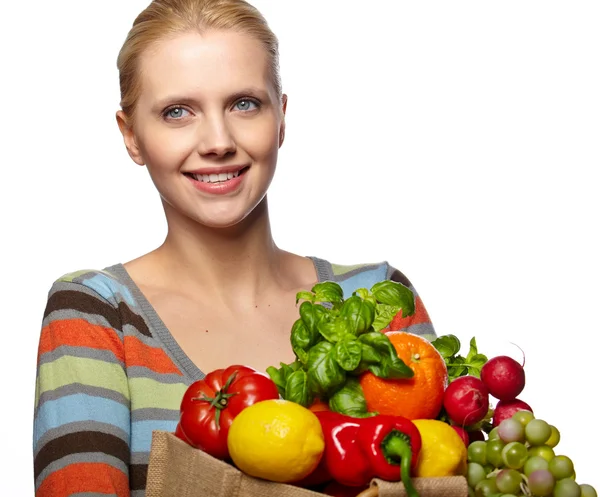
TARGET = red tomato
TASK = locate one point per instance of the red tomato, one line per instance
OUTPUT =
(210, 405)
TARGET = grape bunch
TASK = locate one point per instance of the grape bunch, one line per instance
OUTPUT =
(518, 459)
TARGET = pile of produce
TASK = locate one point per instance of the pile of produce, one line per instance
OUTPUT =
(363, 401)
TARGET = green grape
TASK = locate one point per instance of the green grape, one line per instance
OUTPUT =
(508, 481)
(475, 473)
(488, 468)
(554, 437)
(533, 463)
(471, 492)
(486, 488)
(587, 490)
(514, 455)
(561, 467)
(542, 451)
(523, 417)
(476, 452)
(566, 488)
(508, 495)
(541, 483)
(494, 453)
(511, 430)
(537, 432)
(493, 434)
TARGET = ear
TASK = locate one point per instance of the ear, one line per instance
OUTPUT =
(284, 100)
(129, 138)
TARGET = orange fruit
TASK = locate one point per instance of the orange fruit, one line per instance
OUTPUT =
(419, 397)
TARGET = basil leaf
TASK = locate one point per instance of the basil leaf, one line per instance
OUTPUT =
(305, 296)
(363, 293)
(297, 389)
(384, 314)
(312, 315)
(396, 294)
(447, 345)
(390, 366)
(350, 400)
(278, 378)
(359, 313)
(328, 291)
(324, 373)
(335, 330)
(303, 338)
(348, 354)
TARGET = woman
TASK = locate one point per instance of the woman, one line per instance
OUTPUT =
(202, 108)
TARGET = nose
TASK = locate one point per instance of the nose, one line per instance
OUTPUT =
(215, 138)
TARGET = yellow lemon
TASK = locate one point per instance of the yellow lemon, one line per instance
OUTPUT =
(276, 440)
(443, 453)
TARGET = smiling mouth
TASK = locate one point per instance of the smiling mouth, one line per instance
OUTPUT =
(217, 178)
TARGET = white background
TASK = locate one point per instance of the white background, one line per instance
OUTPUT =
(457, 140)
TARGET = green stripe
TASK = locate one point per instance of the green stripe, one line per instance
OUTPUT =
(148, 393)
(339, 269)
(68, 369)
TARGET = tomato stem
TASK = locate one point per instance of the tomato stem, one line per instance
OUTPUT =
(220, 400)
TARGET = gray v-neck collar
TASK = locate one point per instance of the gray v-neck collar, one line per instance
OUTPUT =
(161, 332)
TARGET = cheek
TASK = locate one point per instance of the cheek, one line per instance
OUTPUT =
(260, 142)
(165, 151)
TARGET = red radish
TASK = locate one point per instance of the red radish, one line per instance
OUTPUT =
(466, 400)
(506, 408)
(462, 433)
(504, 377)
(475, 435)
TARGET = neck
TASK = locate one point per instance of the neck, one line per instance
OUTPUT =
(240, 260)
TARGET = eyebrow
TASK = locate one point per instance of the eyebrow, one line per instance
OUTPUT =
(251, 91)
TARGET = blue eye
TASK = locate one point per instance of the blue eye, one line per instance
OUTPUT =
(246, 104)
(175, 113)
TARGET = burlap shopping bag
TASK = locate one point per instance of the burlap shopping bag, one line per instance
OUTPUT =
(178, 470)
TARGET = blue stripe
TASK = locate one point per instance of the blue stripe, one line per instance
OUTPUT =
(108, 288)
(141, 433)
(80, 407)
(365, 279)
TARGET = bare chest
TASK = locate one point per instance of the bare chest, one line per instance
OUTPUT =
(214, 337)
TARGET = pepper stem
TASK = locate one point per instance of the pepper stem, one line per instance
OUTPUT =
(396, 447)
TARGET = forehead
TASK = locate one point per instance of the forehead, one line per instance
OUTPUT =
(215, 62)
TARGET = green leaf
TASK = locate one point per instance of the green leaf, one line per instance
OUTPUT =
(363, 293)
(328, 291)
(475, 364)
(312, 315)
(447, 345)
(336, 330)
(348, 353)
(324, 373)
(278, 378)
(390, 365)
(297, 388)
(395, 294)
(384, 313)
(359, 313)
(303, 338)
(472, 349)
(350, 400)
(308, 296)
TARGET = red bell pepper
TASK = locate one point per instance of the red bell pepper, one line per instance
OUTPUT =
(359, 449)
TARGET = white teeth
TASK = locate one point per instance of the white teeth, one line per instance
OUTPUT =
(215, 178)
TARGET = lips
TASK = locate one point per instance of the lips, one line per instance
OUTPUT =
(217, 181)
(216, 175)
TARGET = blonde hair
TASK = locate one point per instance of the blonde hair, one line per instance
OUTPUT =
(164, 18)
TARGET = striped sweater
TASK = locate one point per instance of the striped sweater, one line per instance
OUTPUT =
(109, 373)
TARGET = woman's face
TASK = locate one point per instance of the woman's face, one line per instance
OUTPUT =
(208, 125)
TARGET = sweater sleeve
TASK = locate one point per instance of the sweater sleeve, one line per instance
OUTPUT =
(420, 322)
(81, 432)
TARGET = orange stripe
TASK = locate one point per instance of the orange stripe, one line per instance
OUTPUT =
(85, 477)
(154, 358)
(419, 317)
(79, 333)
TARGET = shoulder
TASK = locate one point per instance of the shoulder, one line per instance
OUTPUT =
(360, 275)
(106, 284)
